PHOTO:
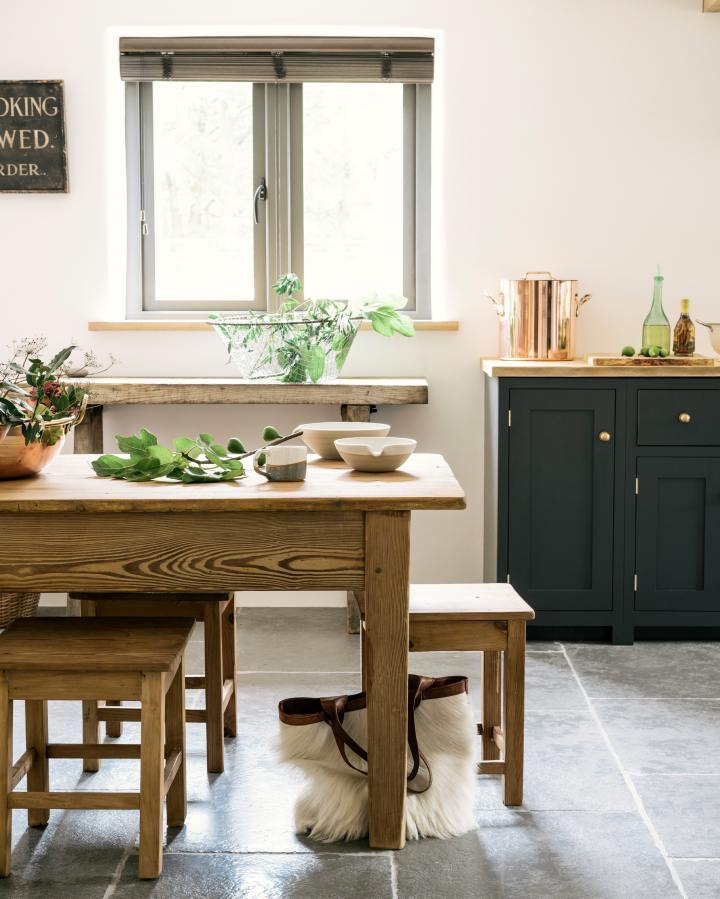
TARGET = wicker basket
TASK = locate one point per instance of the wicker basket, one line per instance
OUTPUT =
(17, 605)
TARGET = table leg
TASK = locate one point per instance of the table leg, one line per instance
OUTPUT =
(514, 713)
(387, 585)
(354, 413)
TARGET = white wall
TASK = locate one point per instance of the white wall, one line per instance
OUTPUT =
(574, 135)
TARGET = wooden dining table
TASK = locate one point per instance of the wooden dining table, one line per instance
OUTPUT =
(68, 530)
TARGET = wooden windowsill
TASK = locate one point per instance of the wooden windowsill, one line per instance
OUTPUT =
(188, 324)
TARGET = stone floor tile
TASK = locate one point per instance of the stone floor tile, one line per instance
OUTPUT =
(701, 879)
(263, 876)
(685, 811)
(538, 855)
(75, 856)
(567, 767)
(296, 640)
(658, 736)
(648, 670)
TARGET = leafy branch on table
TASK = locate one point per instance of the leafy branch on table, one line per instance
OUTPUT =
(189, 461)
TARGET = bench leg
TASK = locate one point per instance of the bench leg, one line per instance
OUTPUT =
(175, 739)
(88, 609)
(353, 614)
(36, 737)
(91, 732)
(490, 703)
(6, 762)
(514, 714)
(114, 728)
(214, 727)
(152, 765)
(229, 666)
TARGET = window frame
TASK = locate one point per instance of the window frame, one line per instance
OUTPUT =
(278, 235)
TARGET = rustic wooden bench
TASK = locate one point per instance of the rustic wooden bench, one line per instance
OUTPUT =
(489, 618)
(75, 658)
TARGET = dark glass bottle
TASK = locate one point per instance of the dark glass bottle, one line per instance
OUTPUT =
(684, 334)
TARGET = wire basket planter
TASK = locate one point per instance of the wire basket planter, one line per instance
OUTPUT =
(294, 348)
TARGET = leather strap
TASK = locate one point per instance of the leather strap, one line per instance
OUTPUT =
(305, 710)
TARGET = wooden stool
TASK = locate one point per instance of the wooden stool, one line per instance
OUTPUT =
(489, 618)
(72, 658)
(217, 612)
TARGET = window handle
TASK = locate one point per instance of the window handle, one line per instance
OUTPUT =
(260, 194)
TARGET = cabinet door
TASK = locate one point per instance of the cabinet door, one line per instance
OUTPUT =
(560, 546)
(677, 534)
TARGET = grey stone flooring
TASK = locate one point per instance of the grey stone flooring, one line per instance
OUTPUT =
(622, 793)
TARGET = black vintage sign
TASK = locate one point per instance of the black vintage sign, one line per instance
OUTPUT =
(32, 136)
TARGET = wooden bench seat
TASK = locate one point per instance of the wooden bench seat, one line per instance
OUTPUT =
(91, 659)
(487, 618)
(217, 613)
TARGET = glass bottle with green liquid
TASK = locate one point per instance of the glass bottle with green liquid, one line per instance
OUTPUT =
(656, 327)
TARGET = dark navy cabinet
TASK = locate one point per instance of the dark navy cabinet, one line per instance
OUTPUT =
(605, 494)
(562, 479)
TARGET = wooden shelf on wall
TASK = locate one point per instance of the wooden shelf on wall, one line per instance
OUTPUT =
(158, 324)
(711, 6)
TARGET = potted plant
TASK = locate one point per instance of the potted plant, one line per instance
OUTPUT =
(37, 410)
(308, 340)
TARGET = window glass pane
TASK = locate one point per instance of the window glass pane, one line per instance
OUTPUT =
(353, 189)
(203, 159)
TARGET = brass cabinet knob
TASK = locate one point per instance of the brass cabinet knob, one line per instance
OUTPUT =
(604, 436)
(684, 417)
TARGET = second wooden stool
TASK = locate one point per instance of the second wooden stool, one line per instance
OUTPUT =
(489, 618)
(217, 613)
(72, 658)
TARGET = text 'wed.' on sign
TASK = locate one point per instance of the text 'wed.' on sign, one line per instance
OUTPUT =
(32, 137)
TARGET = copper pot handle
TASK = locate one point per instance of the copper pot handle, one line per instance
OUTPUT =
(581, 302)
(499, 304)
(80, 415)
(549, 274)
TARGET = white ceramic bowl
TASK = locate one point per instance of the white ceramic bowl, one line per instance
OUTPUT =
(375, 453)
(714, 329)
(320, 436)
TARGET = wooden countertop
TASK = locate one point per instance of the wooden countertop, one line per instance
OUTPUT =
(579, 368)
(425, 481)
(350, 391)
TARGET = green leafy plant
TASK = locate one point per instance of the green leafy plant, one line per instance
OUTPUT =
(202, 460)
(33, 397)
(307, 340)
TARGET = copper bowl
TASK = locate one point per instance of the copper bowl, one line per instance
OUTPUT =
(20, 461)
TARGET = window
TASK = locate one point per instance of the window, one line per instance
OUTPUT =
(246, 162)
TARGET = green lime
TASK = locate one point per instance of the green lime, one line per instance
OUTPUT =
(628, 351)
(663, 352)
(653, 351)
(645, 351)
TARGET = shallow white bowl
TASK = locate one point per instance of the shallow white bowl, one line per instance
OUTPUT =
(375, 453)
(320, 436)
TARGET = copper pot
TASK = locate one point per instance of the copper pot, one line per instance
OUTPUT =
(18, 460)
(537, 317)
